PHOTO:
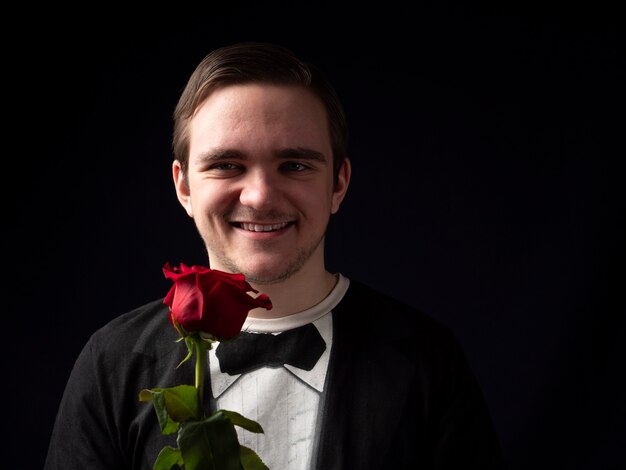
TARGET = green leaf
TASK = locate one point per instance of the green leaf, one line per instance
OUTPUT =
(145, 395)
(169, 459)
(203, 443)
(241, 421)
(167, 424)
(173, 405)
(250, 460)
(182, 402)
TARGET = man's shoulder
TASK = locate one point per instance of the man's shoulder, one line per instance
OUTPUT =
(149, 315)
(141, 328)
(368, 308)
(373, 301)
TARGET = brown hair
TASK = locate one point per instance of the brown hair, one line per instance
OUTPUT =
(262, 63)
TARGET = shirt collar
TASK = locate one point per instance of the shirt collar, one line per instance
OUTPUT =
(321, 313)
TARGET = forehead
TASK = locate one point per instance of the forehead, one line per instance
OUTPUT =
(261, 113)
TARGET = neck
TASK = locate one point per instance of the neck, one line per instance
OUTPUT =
(295, 294)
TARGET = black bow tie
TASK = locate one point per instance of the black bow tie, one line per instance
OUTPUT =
(300, 347)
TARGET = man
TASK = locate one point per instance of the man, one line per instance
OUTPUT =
(260, 165)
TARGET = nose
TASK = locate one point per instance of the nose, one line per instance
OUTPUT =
(259, 191)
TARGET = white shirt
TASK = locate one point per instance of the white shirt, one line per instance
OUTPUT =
(283, 400)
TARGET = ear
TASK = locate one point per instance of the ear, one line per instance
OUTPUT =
(182, 188)
(343, 181)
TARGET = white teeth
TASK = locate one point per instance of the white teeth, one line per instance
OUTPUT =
(262, 228)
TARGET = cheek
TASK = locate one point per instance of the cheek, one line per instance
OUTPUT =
(209, 198)
(318, 208)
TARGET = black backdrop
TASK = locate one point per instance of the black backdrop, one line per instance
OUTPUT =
(487, 191)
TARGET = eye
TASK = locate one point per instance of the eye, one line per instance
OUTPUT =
(295, 167)
(224, 166)
(223, 169)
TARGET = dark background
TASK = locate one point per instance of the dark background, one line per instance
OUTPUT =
(487, 191)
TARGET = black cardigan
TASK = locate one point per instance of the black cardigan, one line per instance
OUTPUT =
(399, 394)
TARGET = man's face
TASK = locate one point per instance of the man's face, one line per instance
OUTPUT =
(260, 181)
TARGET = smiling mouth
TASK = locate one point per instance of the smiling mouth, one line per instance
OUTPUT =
(250, 227)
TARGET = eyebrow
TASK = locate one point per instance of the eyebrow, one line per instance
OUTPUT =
(217, 155)
(299, 153)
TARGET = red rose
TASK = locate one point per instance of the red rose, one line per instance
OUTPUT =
(210, 301)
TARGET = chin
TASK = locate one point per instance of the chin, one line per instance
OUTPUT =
(273, 269)
(271, 273)
(266, 277)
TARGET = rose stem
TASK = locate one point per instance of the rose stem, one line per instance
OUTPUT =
(201, 349)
